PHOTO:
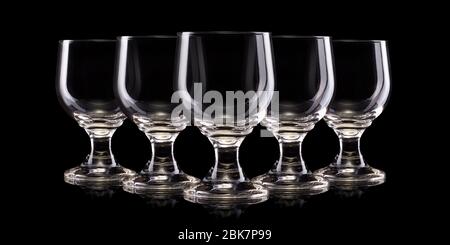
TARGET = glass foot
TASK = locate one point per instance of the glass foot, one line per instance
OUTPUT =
(97, 176)
(345, 177)
(156, 183)
(223, 193)
(292, 184)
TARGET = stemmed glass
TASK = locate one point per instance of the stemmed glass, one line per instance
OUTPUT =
(84, 86)
(227, 79)
(304, 80)
(144, 88)
(362, 90)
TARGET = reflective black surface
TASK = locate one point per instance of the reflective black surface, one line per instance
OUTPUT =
(43, 207)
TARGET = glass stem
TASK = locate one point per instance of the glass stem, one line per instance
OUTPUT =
(349, 144)
(226, 167)
(101, 155)
(291, 160)
(162, 160)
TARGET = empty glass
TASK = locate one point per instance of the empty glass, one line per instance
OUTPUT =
(84, 86)
(362, 90)
(304, 80)
(144, 88)
(226, 78)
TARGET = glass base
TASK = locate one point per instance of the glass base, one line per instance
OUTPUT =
(157, 184)
(292, 184)
(285, 201)
(346, 177)
(223, 193)
(97, 176)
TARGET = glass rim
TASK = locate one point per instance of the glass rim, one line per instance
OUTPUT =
(146, 37)
(95, 40)
(358, 41)
(299, 37)
(193, 33)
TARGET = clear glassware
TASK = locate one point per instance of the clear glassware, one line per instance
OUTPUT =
(362, 90)
(144, 88)
(304, 80)
(227, 79)
(84, 86)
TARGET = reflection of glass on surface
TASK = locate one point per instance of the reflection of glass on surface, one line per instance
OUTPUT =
(345, 192)
(226, 211)
(100, 191)
(162, 200)
(289, 201)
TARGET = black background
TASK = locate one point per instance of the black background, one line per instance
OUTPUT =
(49, 141)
